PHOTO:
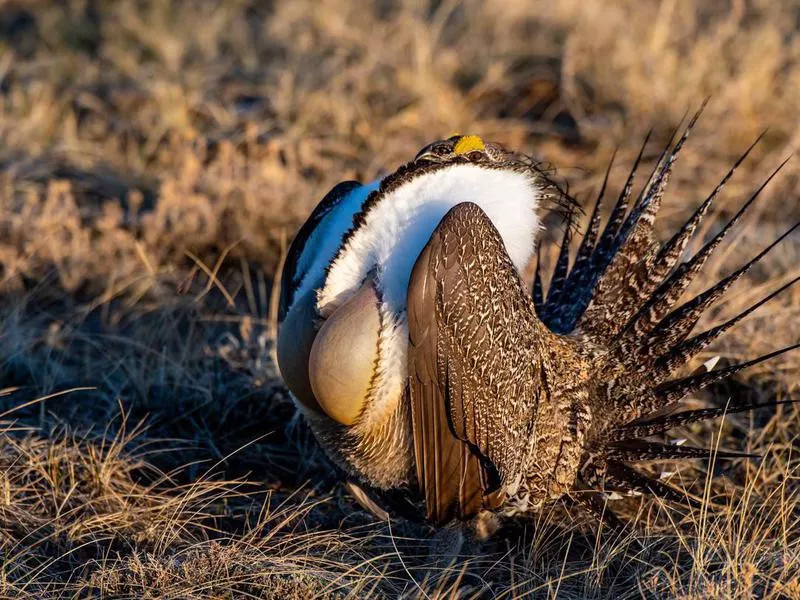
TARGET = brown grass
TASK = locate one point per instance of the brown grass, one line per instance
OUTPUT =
(156, 155)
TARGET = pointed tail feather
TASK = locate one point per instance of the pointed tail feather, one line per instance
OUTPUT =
(673, 391)
(676, 325)
(638, 450)
(586, 272)
(589, 240)
(607, 244)
(560, 273)
(671, 251)
(636, 241)
(670, 291)
(578, 281)
(617, 285)
(538, 292)
(643, 214)
(597, 504)
(663, 424)
(628, 478)
(679, 354)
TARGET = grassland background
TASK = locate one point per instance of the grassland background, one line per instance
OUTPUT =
(156, 155)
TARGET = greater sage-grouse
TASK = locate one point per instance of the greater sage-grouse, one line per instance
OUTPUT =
(423, 363)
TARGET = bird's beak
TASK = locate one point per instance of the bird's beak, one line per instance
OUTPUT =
(428, 154)
(330, 369)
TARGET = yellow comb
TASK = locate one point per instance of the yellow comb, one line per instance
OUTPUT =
(468, 143)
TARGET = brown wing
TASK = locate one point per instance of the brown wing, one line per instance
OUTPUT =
(475, 344)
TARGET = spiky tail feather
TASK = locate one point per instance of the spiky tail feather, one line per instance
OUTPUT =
(621, 294)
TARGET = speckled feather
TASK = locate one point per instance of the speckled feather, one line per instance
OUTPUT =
(514, 391)
(513, 398)
(544, 389)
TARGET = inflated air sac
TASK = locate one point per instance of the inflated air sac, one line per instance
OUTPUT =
(344, 356)
(296, 335)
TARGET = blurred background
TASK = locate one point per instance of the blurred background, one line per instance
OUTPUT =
(226, 121)
(156, 156)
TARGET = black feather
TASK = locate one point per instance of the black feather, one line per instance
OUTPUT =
(684, 350)
(628, 478)
(639, 450)
(673, 391)
(658, 425)
(538, 292)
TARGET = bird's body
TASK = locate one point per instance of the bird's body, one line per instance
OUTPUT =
(422, 362)
(377, 231)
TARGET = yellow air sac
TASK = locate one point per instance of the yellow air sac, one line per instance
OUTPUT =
(344, 356)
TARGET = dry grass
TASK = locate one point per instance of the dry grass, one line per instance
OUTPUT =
(154, 157)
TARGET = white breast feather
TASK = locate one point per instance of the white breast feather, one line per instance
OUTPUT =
(394, 233)
(396, 230)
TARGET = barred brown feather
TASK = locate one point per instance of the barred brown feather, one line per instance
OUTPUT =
(517, 397)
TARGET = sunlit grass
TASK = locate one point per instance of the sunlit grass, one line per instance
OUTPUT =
(155, 157)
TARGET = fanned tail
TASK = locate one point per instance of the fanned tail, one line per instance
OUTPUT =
(622, 295)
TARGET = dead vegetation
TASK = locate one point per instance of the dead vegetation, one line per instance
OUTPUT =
(154, 157)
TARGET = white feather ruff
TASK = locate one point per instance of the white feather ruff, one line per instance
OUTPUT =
(391, 238)
(396, 230)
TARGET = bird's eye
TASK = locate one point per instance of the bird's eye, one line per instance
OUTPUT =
(475, 155)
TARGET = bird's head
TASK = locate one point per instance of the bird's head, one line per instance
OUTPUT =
(343, 338)
(469, 148)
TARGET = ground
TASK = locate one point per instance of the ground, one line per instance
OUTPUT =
(155, 158)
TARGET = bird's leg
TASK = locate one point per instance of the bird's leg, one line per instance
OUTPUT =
(367, 503)
(446, 544)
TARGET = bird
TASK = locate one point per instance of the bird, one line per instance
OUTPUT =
(429, 371)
